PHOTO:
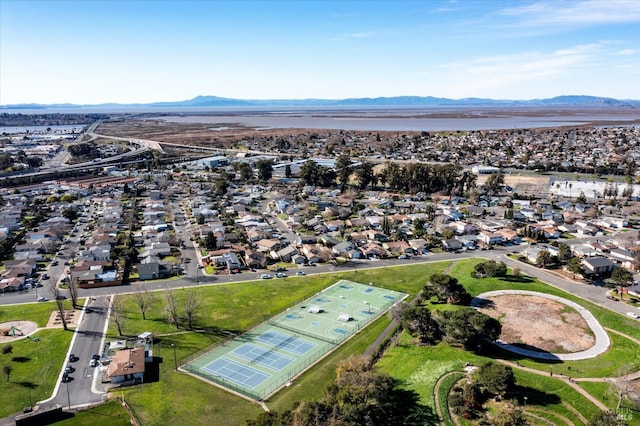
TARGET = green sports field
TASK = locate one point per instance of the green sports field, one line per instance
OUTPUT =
(259, 362)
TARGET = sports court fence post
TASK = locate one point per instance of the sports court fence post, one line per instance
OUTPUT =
(175, 357)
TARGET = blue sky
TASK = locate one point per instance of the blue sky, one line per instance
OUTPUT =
(89, 52)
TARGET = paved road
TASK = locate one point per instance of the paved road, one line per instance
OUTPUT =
(88, 340)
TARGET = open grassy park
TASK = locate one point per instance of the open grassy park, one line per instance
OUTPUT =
(35, 362)
(229, 310)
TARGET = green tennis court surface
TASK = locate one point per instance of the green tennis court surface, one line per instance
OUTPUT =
(259, 362)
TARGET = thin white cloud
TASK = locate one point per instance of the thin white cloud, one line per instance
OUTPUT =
(360, 34)
(628, 52)
(582, 13)
(487, 75)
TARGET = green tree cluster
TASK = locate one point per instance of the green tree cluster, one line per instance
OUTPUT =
(359, 396)
(489, 268)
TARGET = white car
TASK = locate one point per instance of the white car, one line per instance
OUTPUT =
(633, 315)
(265, 276)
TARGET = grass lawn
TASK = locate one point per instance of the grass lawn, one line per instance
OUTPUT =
(418, 368)
(443, 395)
(227, 310)
(36, 365)
(111, 413)
(552, 394)
(177, 396)
(622, 351)
(36, 312)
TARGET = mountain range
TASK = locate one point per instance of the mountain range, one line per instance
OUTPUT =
(397, 101)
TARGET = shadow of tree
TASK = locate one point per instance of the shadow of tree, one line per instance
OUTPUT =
(518, 279)
(27, 385)
(20, 359)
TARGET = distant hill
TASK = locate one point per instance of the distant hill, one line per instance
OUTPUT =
(396, 101)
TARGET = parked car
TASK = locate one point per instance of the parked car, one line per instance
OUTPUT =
(42, 299)
(300, 273)
(54, 263)
(66, 378)
(633, 315)
(93, 363)
(610, 297)
(265, 276)
(73, 358)
(69, 369)
(281, 275)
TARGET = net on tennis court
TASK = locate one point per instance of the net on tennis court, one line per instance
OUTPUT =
(304, 333)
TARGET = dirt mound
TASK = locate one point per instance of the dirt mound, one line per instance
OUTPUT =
(540, 323)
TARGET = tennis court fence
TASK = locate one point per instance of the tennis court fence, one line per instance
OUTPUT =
(295, 330)
(310, 359)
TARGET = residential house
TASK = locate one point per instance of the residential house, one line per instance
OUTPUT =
(127, 366)
(597, 266)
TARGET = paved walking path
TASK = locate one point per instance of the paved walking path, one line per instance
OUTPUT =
(600, 346)
(562, 377)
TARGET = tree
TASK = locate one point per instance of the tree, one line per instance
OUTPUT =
(564, 253)
(221, 186)
(544, 258)
(490, 268)
(246, 174)
(7, 349)
(449, 290)
(210, 241)
(7, 369)
(468, 328)
(171, 308)
(144, 299)
(418, 322)
(466, 402)
(116, 306)
(73, 291)
(343, 169)
(494, 183)
(496, 378)
(59, 304)
(622, 277)
(510, 414)
(287, 171)
(265, 170)
(191, 305)
(200, 219)
(574, 266)
(364, 173)
(606, 418)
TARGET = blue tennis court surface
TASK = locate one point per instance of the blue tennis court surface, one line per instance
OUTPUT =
(266, 357)
(237, 373)
(284, 341)
(271, 355)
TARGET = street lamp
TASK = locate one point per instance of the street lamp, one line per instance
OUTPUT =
(525, 401)
(175, 358)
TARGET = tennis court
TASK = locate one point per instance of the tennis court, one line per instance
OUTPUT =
(259, 362)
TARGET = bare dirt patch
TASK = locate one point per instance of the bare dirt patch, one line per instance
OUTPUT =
(71, 318)
(540, 323)
(15, 330)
